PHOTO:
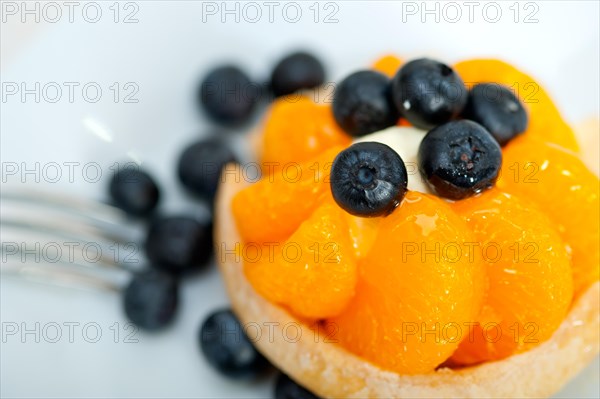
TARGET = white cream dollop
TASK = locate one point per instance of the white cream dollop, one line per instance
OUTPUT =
(405, 141)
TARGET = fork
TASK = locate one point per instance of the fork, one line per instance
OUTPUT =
(67, 225)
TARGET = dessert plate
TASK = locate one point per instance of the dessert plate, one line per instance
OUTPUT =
(147, 72)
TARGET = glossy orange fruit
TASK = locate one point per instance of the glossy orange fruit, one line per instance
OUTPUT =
(388, 65)
(313, 273)
(566, 191)
(545, 121)
(274, 207)
(529, 275)
(362, 231)
(297, 129)
(417, 286)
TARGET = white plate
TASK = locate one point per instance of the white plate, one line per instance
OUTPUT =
(163, 55)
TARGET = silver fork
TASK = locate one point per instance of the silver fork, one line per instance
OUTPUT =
(56, 239)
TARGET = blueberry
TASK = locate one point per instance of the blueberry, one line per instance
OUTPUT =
(134, 191)
(286, 388)
(200, 166)
(179, 244)
(295, 72)
(428, 93)
(228, 96)
(459, 159)
(150, 300)
(363, 104)
(227, 348)
(368, 179)
(497, 109)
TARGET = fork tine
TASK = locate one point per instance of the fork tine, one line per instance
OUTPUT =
(70, 231)
(83, 206)
(59, 277)
(48, 218)
(95, 213)
(110, 255)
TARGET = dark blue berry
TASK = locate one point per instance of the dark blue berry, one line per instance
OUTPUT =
(286, 388)
(497, 109)
(179, 244)
(295, 72)
(363, 104)
(150, 300)
(459, 159)
(228, 96)
(428, 93)
(368, 179)
(227, 348)
(134, 191)
(200, 166)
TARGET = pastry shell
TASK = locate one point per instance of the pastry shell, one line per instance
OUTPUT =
(328, 370)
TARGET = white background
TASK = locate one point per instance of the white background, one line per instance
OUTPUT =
(164, 54)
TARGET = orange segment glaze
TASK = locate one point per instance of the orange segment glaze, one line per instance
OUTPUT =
(363, 233)
(313, 273)
(529, 275)
(297, 129)
(388, 65)
(545, 121)
(416, 288)
(566, 191)
(274, 207)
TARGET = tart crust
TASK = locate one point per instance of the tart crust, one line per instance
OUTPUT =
(327, 369)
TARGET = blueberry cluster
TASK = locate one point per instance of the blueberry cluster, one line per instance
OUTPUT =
(178, 245)
(229, 97)
(459, 156)
(175, 246)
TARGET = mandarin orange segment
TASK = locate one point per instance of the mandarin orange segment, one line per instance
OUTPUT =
(403, 122)
(566, 191)
(296, 130)
(417, 286)
(388, 65)
(275, 206)
(545, 121)
(362, 231)
(529, 275)
(313, 273)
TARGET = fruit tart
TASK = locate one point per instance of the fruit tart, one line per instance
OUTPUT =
(431, 232)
